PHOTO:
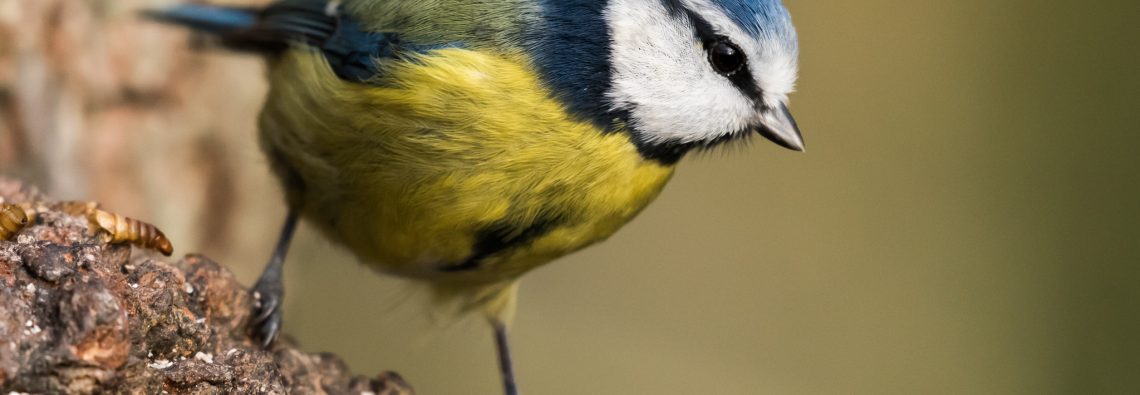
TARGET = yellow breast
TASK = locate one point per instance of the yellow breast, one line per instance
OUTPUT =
(442, 157)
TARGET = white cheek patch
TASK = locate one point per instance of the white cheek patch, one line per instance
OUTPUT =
(662, 77)
(777, 76)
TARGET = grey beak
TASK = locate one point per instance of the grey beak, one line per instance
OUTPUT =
(779, 126)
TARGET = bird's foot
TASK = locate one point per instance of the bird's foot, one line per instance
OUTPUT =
(265, 325)
(269, 291)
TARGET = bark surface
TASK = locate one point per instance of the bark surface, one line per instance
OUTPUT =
(81, 316)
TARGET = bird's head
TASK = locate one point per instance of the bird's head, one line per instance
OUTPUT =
(699, 72)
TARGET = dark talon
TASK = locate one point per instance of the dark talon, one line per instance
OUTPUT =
(267, 303)
(265, 324)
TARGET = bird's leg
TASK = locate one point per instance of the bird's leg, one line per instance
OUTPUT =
(269, 291)
(505, 366)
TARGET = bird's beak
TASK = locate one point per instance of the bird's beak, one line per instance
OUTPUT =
(778, 125)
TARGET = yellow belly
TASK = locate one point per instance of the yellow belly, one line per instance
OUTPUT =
(410, 171)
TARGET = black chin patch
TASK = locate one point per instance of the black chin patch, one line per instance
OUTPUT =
(669, 153)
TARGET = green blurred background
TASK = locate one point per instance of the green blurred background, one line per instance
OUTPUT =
(966, 220)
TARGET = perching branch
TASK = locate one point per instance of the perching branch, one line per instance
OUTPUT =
(80, 315)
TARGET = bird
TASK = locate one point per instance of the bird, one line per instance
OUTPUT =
(464, 143)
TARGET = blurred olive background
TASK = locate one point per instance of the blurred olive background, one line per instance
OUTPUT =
(966, 218)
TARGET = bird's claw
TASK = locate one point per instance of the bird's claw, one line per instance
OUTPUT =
(266, 323)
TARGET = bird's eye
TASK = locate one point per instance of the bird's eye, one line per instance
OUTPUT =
(726, 57)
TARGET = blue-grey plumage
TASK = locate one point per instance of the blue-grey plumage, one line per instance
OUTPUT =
(467, 142)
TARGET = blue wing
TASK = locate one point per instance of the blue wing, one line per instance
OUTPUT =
(350, 50)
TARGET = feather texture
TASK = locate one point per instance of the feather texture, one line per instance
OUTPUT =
(466, 142)
(408, 173)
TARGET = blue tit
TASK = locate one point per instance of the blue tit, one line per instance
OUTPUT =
(466, 142)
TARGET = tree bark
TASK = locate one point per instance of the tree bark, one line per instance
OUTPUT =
(81, 316)
(97, 103)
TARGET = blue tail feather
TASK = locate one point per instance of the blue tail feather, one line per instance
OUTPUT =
(211, 19)
(350, 49)
(265, 30)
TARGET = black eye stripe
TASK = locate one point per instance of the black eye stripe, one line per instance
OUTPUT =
(741, 79)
